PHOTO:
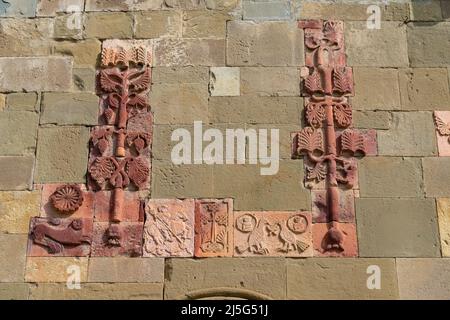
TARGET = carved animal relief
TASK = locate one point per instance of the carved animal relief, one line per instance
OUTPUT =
(273, 234)
(57, 237)
(169, 228)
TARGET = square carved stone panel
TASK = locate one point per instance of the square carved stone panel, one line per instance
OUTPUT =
(273, 233)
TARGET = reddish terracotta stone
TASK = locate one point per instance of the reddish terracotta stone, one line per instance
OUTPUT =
(442, 122)
(213, 228)
(320, 206)
(310, 24)
(59, 237)
(86, 210)
(369, 138)
(273, 233)
(104, 205)
(169, 228)
(321, 240)
(110, 240)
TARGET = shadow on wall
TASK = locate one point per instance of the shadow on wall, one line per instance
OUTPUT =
(430, 11)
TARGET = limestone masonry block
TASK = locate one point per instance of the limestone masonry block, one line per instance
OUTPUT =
(156, 24)
(106, 25)
(423, 279)
(97, 291)
(85, 53)
(411, 134)
(183, 52)
(128, 270)
(258, 44)
(205, 24)
(54, 269)
(16, 209)
(443, 209)
(224, 81)
(12, 257)
(424, 89)
(375, 177)
(376, 89)
(436, 171)
(53, 7)
(69, 109)
(266, 10)
(339, 279)
(22, 101)
(19, 132)
(385, 47)
(270, 81)
(19, 8)
(36, 74)
(25, 37)
(120, 5)
(16, 173)
(259, 276)
(379, 222)
(68, 161)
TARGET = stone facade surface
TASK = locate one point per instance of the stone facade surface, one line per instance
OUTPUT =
(95, 95)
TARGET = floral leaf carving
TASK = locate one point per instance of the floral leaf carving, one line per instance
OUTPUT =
(442, 127)
(99, 138)
(109, 116)
(315, 114)
(140, 140)
(353, 141)
(343, 114)
(313, 83)
(309, 140)
(138, 101)
(102, 169)
(138, 171)
(140, 80)
(110, 80)
(341, 81)
(317, 173)
(108, 57)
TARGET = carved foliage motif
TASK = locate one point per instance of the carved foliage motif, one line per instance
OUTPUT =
(213, 228)
(169, 228)
(442, 122)
(272, 234)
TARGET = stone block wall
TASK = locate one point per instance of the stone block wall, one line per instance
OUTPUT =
(230, 64)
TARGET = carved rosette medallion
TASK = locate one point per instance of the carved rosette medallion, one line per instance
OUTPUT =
(67, 198)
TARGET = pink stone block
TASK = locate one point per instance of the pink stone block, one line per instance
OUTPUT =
(442, 123)
(213, 228)
(104, 206)
(273, 233)
(59, 237)
(320, 206)
(169, 228)
(110, 240)
(86, 210)
(321, 240)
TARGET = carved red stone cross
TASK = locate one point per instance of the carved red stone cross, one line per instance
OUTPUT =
(328, 145)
